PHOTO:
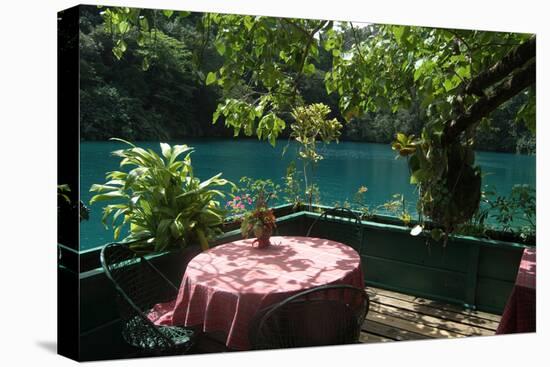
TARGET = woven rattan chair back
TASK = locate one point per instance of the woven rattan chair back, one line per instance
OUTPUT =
(326, 315)
(139, 286)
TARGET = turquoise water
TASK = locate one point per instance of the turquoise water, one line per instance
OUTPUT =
(346, 167)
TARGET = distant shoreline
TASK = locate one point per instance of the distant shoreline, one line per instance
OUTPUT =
(285, 140)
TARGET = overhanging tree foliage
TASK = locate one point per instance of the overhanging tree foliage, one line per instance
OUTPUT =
(458, 76)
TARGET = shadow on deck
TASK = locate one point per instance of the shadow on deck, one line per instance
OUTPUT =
(397, 317)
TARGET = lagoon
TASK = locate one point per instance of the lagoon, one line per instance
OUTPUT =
(346, 167)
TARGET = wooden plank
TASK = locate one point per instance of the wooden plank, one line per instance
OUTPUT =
(390, 332)
(412, 326)
(435, 304)
(475, 322)
(465, 330)
(365, 337)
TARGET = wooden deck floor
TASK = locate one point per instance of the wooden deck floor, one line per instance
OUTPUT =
(396, 317)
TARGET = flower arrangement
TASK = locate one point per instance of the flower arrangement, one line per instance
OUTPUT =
(243, 194)
(260, 221)
(239, 203)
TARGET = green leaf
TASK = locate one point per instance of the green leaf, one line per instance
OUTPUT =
(448, 84)
(123, 27)
(141, 39)
(248, 22)
(121, 45)
(309, 69)
(419, 176)
(398, 32)
(177, 150)
(108, 196)
(168, 13)
(464, 72)
(102, 188)
(216, 115)
(211, 180)
(117, 232)
(166, 150)
(220, 47)
(118, 52)
(402, 138)
(145, 64)
(144, 24)
(210, 78)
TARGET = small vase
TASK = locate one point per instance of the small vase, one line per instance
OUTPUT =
(262, 241)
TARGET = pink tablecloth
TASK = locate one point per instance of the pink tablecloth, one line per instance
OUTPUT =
(520, 312)
(224, 287)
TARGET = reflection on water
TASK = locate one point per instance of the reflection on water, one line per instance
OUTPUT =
(346, 167)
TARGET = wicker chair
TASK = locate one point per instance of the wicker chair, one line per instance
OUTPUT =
(139, 286)
(329, 226)
(326, 315)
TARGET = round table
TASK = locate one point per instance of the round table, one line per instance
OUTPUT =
(224, 287)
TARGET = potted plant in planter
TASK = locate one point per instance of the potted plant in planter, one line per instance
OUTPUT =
(242, 200)
(260, 222)
(164, 205)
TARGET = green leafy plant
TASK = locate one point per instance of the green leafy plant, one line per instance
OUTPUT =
(64, 201)
(446, 176)
(293, 186)
(477, 225)
(63, 193)
(397, 206)
(313, 195)
(311, 123)
(165, 206)
(359, 203)
(515, 213)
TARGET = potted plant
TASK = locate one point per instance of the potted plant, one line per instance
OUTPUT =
(260, 221)
(164, 205)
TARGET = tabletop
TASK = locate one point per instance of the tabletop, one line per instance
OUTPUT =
(289, 264)
(224, 287)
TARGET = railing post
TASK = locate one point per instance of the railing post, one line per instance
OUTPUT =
(471, 276)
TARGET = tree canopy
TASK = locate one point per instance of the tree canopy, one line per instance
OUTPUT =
(457, 78)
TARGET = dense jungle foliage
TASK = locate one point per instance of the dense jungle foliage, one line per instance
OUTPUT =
(157, 90)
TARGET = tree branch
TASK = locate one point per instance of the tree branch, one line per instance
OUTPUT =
(287, 21)
(357, 42)
(516, 58)
(488, 103)
(305, 54)
(460, 38)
